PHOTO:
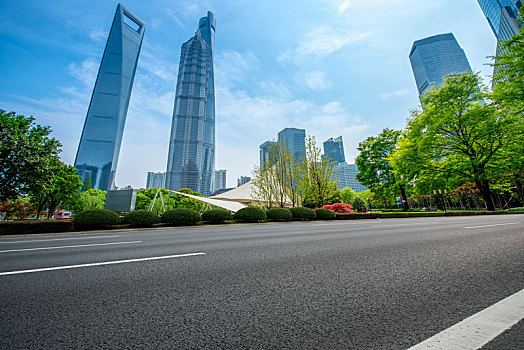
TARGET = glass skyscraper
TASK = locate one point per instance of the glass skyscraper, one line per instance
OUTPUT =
(334, 150)
(501, 15)
(99, 148)
(191, 157)
(295, 140)
(433, 58)
(346, 176)
(155, 180)
(265, 151)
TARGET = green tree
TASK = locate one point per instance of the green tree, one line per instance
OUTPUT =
(60, 186)
(26, 154)
(91, 199)
(278, 181)
(459, 135)
(87, 184)
(375, 169)
(347, 195)
(317, 176)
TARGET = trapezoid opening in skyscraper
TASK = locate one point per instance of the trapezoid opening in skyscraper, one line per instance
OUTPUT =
(99, 147)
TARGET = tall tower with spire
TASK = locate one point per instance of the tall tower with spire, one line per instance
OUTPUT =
(191, 156)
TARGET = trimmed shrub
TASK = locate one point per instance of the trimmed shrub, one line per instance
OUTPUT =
(95, 218)
(325, 214)
(216, 216)
(181, 217)
(276, 214)
(303, 213)
(339, 208)
(250, 214)
(142, 218)
(359, 204)
(23, 227)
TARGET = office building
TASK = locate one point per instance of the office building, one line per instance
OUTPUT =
(295, 140)
(243, 180)
(501, 16)
(345, 174)
(155, 180)
(434, 58)
(191, 156)
(219, 180)
(99, 147)
(334, 150)
(265, 151)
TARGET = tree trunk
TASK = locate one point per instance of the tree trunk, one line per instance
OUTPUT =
(405, 205)
(485, 191)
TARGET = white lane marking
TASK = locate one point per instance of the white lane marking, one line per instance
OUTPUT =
(56, 239)
(99, 264)
(67, 246)
(411, 224)
(509, 223)
(479, 329)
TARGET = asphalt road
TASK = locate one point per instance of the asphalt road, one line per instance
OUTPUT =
(369, 284)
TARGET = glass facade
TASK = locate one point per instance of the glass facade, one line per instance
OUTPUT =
(191, 157)
(501, 16)
(334, 150)
(345, 174)
(434, 58)
(155, 180)
(295, 141)
(99, 147)
(220, 180)
(242, 180)
(265, 151)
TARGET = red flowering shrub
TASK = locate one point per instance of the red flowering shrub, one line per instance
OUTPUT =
(339, 208)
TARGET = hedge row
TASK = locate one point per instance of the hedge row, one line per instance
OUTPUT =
(23, 227)
(385, 215)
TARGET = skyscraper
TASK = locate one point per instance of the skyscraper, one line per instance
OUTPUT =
(191, 157)
(220, 180)
(334, 150)
(99, 147)
(433, 58)
(155, 180)
(501, 16)
(242, 180)
(345, 174)
(265, 151)
(295, 140)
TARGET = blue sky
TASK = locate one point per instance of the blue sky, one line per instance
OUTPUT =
(332, 67)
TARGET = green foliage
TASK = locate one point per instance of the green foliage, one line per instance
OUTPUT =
(18, 209)
(216, 216)
(277, 181)
(27, 154)
(59, 188)
(303, 213)
(144, 198)
(95, 218)
(279, 214)
(87, 184)
(325, 214)
(250, 214)
(347, 195)
(91, 199)
(181, 217)
(460, 137)
(317, 182)
(142, 218)
(360, 204)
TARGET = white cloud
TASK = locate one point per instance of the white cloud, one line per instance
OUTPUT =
(232, 67)
(321, 42)
(316, 80)
(98, 34)
(84, 71)
(343, 7)
(396, 93)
